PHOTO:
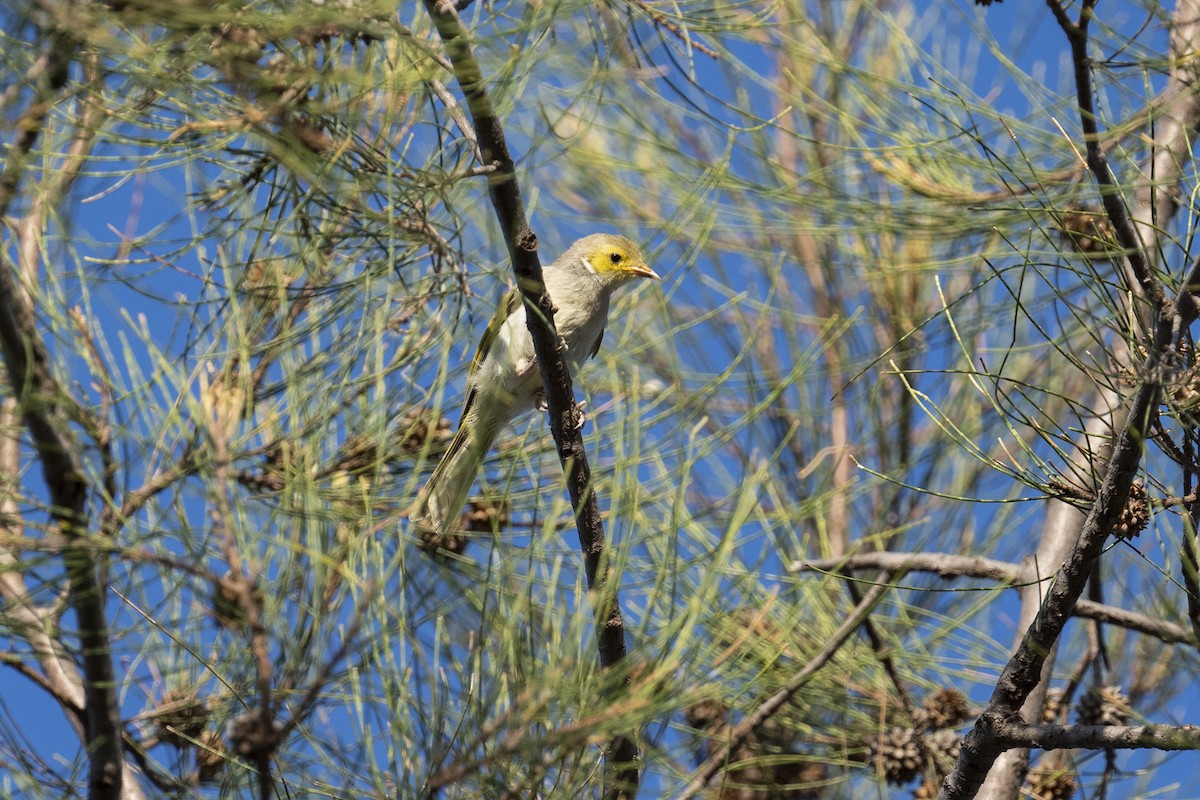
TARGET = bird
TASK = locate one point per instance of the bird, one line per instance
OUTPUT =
(504, 380)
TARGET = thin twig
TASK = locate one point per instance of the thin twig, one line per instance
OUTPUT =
(661, 20)
(460, 119)
(53, 688)
(1110, 195)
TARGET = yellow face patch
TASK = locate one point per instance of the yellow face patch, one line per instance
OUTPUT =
(618, 255)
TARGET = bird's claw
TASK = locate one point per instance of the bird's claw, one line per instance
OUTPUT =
(581, 415)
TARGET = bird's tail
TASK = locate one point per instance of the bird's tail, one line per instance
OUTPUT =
(439, 505)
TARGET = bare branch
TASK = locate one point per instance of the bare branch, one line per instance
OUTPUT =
(942, 564)
(951, 566)
(1097, 737)
(59, 676)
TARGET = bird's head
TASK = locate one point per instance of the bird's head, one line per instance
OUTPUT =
(613, 259)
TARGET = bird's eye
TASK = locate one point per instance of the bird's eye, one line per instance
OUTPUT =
(615, 257)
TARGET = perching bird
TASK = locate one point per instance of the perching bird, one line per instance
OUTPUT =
(505, 380)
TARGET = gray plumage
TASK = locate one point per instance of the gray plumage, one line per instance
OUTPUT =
(505, 381)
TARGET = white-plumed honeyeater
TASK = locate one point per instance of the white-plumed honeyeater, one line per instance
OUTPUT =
(505, 379)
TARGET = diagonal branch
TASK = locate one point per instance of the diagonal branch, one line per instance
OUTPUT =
(981, 747)
(1139, 225)
(797, 682)
(505, 194)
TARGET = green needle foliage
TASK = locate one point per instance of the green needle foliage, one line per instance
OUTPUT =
(249, 252)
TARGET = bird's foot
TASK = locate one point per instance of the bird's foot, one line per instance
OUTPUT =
(581, 415)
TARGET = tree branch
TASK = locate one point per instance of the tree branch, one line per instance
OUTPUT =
(950, 566)
(765, 711)
(1138, 233)
(1098, 737)
(1023, 671)
(505, 195)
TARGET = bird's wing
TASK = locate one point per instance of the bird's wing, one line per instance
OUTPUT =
(512, 301)
(467, 404)
(596, 346)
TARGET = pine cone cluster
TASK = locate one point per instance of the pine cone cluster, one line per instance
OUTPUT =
(179, 717)
(1053, 779)
(705, 714)
(1052, 706)
(944, 746)
(254, 734)
(437, 543)
(485, 515)
(482, 516)
(768, 769)
(1105, 705)
(232, 607)
(1182, 382)
(420, 425)
(1184, 387)
(944, 708)
(896, 755)
(210, 757)
(1088, 232)
(1135, 516)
